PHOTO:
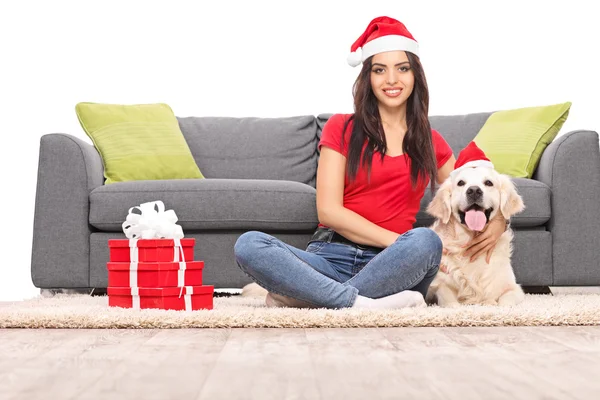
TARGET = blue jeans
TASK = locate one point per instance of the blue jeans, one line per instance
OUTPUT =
(331, 275)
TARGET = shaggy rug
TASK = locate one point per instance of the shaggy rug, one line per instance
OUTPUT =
(82, 311)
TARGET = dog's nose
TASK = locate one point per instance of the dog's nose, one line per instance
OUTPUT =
(474, 192)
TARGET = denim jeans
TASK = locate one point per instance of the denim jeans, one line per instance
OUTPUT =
(331, 275)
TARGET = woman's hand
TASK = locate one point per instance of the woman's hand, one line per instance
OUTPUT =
(486, 240)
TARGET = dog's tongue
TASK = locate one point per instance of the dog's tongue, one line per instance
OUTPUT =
(475, 220)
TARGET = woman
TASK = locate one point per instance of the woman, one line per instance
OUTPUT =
(373, 170)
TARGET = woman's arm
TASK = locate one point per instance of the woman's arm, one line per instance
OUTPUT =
(330, 204)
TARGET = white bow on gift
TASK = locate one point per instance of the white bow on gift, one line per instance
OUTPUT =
(152, 222)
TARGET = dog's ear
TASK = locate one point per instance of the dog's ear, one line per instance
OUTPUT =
(510, 201)
(440, 205)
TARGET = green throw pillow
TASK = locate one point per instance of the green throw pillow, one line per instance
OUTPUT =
(138, 142)
(514, 140)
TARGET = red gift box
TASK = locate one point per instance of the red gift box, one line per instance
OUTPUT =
(157, 274)
(187, 298)
(150, 250)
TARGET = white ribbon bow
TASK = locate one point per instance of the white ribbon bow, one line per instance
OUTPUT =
(152, 222)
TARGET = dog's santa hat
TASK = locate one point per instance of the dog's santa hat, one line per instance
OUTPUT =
(471, 157)
(382, 34)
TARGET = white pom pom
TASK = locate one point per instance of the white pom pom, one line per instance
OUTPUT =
(355, 58)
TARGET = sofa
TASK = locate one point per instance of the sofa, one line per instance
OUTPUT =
(260, 174)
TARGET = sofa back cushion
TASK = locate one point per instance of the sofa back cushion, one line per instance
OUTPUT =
(458, 130)
(254, 148)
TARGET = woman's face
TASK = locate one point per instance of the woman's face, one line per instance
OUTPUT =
(392, 78)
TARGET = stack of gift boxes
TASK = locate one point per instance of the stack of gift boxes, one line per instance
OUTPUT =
(156, 273)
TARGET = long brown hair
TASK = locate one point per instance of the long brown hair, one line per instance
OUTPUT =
(417, 143)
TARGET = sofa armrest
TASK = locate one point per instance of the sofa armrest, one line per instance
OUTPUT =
(68, 170)
(570, 166)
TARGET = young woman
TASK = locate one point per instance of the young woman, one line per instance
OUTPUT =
(373, 170)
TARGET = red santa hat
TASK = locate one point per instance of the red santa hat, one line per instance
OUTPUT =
(382, 34)
(471, 157)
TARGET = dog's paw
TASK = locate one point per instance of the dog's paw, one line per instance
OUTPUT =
(511, 298)
(453, 304)
(507, 302)
(489, 302)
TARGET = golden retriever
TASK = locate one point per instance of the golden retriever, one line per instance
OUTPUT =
(463, 206)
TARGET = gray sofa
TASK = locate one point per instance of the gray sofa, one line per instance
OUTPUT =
(260, 175)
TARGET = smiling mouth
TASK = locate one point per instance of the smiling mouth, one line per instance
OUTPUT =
(392, 92)
(475, 217)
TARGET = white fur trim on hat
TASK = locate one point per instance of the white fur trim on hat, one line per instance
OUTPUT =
(389, 43)
(381, 44)
(473, 164)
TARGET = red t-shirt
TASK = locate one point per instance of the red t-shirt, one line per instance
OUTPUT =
(389, 199)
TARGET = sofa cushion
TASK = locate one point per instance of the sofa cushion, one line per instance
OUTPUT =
(254, 148)
(138, 142)
(206, 204)
(535, 194)
(458, 130)
(514, 140)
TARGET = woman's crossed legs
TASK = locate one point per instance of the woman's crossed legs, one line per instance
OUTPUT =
(335, 275)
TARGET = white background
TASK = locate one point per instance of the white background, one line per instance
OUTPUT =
(266, 59)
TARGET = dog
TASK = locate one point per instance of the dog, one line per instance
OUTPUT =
(463, 206)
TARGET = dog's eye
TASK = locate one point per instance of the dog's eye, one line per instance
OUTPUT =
(488, 183)
(461, 183)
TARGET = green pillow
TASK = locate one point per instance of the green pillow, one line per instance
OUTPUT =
(138, 142)
(514, 140)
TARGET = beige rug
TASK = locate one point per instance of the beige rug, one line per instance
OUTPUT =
(78, 311)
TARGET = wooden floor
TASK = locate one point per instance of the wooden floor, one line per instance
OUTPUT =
(391, 363)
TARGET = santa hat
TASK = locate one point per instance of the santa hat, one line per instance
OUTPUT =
(382, 34)
(471, 157)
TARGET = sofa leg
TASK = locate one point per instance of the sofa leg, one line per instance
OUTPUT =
(537, 290)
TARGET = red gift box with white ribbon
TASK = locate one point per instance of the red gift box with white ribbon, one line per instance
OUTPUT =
(155, 274)
(154, 267)
(151, 250)
(188, 298)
